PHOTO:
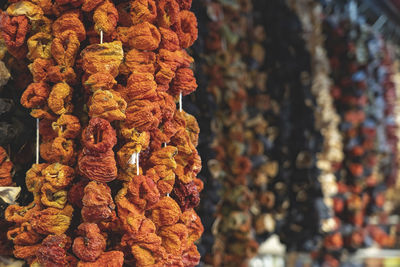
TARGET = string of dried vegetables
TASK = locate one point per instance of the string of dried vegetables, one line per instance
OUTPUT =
(130, 82)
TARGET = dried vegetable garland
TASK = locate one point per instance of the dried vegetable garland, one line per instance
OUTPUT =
(132, 62)
(229, 29)
(359, 94)
(327, 119)
(298, 143)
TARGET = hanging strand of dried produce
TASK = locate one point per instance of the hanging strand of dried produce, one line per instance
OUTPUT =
(359, 94)
(142, 47)
(156, 203)
(41, 225)
(227, 49)
(327, 119)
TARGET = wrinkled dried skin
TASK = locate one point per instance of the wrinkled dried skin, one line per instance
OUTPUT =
(188, 166)
(165, 212)
(25, 252)
(141, 86)
(126, 208)
(168, 13)
(104, 57)
(166, 177)
(169, 39)
(186, 195)
(76, 193)
(164, 156)
(173, 260)
(105, 18)
(52, 197)
(24, 235)
(107, 259)
(168, 107)
(53, 250)
(182, 141)
(89, 5)
(52, 221)
(136, 140)
(90, 244)
(124, 157)
(58, 74)
(64, 48)
(143, 11)
(158, 138)
(175, 59)
(58, 150)
(100, 81)
(193, 224)
(143, 115)
(39, 46)
(147, 255)
(168, 63)
(25, 8)
(143, 36)
(98, 214)
(60, 99)
(39, 69)
(34, 178)
(43, 113)
(174, 238)
(140, 61)
(97, 194)
(143, 192)
(107, 104)
(139, 229)
(20, 214)
(184, 82)
(46, 131)
(35, 95)
(67, 126)
(6, 168)
(69, 22)
(98, 137)
(101, 168)
(13, 30)
(58, 175)
(193, 128)
(191, 256)
(97, 203)
(184, 4)
(186, 28)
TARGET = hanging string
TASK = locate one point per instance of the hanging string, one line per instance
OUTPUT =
(137, 163)
(101, 36)
(134, 159)
(37, 141)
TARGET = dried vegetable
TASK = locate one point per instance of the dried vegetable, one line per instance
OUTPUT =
(157, 158)
(131, 60)
(226, 48)
(327, 119)
(40, 226)
(362, 99)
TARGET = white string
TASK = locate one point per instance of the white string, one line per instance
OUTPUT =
(137, 163)
(37, 141)
(101, 36)
(164, 144)
(134, 159)
(180, 101)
